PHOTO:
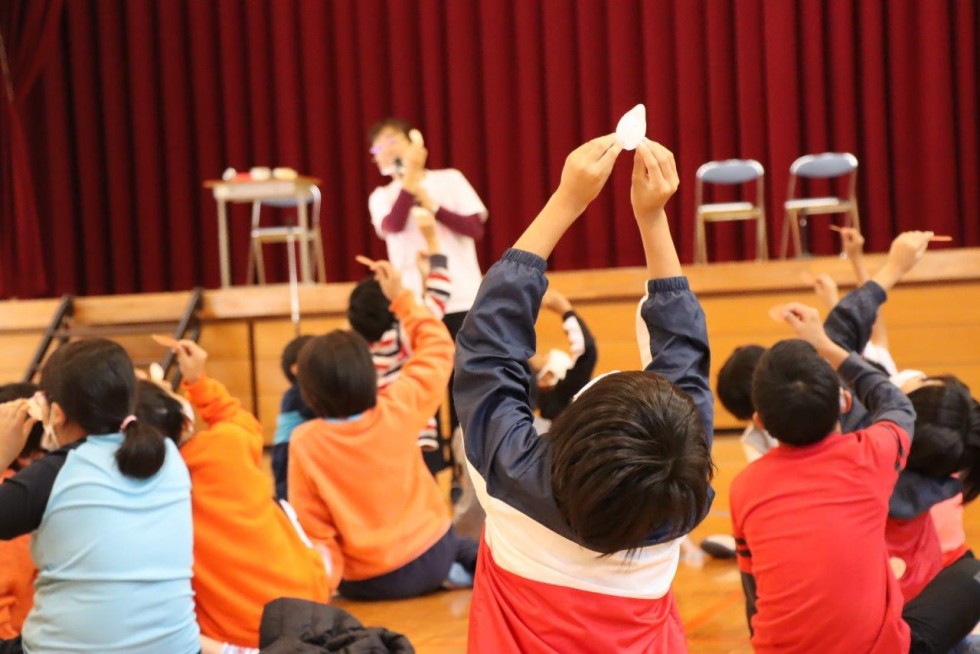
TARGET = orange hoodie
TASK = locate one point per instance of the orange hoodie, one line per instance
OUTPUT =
(17, 574)
(246, 550)
(360, 488)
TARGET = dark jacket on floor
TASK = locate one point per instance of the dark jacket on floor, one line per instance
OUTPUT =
(293, 626)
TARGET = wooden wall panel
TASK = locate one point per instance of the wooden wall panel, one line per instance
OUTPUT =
(933, 320)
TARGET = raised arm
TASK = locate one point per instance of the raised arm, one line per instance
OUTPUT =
(851, 323)
(497, 338)
(676, 335)
(210, 399)
(419, 389)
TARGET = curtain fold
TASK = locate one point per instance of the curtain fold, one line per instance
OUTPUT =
(27, 31)
(139, 101)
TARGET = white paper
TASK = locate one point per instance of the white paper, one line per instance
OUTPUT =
(632, 127)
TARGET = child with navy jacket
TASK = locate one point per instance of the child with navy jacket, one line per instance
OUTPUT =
(584, 523)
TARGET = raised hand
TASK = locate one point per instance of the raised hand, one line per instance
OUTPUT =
(655, 180)
(587, 169)
(191, 358)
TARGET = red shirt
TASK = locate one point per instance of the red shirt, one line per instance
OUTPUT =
(810, 523)
(915, 543)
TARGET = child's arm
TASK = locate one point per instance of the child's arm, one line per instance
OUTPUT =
(210, 398)
(850, 323)
(434, 267)
(497, 339)
(676, 334)
(420, 387)
(315, 516)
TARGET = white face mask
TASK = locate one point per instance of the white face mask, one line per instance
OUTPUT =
(49, 442)
(36, 409)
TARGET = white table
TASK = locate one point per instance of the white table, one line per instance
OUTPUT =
(242, 191)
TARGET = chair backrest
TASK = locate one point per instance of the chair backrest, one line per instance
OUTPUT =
(730, 171)
(821, 166)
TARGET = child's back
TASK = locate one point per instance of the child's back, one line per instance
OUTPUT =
(120, 547)
(584, 523)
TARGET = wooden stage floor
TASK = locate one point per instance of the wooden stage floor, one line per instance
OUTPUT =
(710, 598)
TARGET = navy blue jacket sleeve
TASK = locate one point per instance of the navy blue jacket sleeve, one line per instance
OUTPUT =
(492, 386)
(884, 400)
(678, 341)
(849, 324)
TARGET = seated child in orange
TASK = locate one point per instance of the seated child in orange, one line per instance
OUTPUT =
(247, 551)
(17, 569)
(356, 478)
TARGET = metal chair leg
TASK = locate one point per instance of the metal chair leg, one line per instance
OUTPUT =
(784, 239)
(321, 263)
(794, 226)
(761, 243)
(700, 250)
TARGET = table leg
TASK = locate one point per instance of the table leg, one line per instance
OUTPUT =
(304, 250)
(223, 244)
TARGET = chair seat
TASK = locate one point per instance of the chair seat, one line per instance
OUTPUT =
(720, 211)
(279, 234)
(818, 205)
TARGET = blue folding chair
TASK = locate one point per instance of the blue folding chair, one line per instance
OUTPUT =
(729, 172)
(818, 166)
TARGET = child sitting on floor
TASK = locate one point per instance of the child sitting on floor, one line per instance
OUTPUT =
(247, 549)
(17, 570)
(293, 412)
(829, 587)
(109, 510)
(947, 440)
(359, 486)
(584, 523)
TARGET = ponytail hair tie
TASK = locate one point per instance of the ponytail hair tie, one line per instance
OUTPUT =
(127, 421)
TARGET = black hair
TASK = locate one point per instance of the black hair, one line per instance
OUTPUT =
(158, 408)
(627, 457)
(337, 377)
(796, 393)
(94, 383)
(392, 122)
(11, 392)
(735, 381)
(290, 355)
(947, 433)
(367, 310)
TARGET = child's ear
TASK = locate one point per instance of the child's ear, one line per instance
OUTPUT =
(757, 421)
(846, 401)
(294, 369)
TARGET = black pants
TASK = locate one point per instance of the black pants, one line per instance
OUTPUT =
(946, 610)
(423, 575)
(280, 469)
(437, 460)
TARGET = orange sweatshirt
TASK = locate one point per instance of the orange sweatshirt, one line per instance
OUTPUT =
(246, 550)
(360, 488)
(17, 574)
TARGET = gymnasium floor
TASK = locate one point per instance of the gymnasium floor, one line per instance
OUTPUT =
(710, 597)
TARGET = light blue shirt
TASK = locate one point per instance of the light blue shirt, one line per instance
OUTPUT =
(114, 557)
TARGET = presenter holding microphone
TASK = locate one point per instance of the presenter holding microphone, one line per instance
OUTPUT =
(399, 152)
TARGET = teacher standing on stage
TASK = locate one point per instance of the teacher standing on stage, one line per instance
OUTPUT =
(458, 210)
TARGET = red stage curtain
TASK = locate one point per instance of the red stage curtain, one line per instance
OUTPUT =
(27, 30)
(145, 99)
